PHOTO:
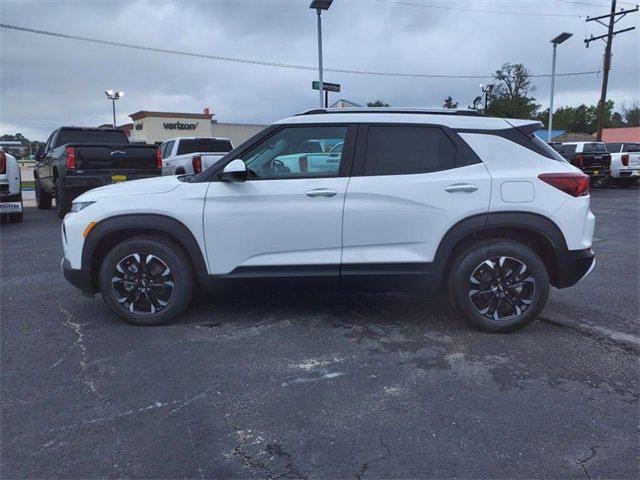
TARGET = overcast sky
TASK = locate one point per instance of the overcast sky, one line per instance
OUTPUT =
(47, 82)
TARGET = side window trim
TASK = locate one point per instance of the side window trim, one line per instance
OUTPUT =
(345, 165)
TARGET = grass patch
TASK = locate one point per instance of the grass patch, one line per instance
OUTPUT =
(28, 184)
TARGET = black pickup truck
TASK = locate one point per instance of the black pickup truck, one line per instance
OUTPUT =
(75, 160)
(590, 157)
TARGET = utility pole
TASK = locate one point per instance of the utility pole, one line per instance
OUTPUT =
(612, 20)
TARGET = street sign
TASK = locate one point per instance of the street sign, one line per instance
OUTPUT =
(327, 87)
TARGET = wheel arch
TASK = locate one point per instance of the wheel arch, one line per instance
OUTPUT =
(111, 231)
(531, 229)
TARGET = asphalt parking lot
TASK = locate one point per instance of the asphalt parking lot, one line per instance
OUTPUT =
(320, 385)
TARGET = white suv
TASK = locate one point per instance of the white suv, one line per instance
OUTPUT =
(395, 200)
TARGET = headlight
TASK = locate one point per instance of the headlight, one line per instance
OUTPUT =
(77, 206)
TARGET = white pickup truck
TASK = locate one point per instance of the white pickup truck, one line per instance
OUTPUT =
(187, 155)
(625, 162)
(10, 188)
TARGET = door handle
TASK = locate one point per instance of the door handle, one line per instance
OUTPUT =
(321, 192)
(461, 187)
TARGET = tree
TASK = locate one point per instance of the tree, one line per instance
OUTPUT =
(378, 103)
(511, 94)
(631, 113)
(449, 103)
(580, 119)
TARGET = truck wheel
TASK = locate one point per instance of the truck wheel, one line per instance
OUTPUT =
(63, 199)
(624, 182)
(17, 217)
(598, 182)
(499, 285)
(147, 281)
(43, 199)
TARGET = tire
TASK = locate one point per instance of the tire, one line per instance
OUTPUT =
(470, 268)
(63, 199)
(43, 199)
(156, 254)
(598, 182)
(17, 217)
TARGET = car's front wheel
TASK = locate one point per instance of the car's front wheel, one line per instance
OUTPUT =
(147, 281)
(499, 285)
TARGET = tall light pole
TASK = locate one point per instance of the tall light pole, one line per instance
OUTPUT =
(556, 41)
(113, 96)
(318, 6)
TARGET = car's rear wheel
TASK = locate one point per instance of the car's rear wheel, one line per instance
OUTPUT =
(147, 281)
(63, 199)
(499, 285)
(43, 199)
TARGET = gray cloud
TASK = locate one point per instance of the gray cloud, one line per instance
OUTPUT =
(46, 82)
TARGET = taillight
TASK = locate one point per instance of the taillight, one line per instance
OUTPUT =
(196, 161)
(3, 162)
(158, 158)
(574, 184)
(625, 160)
(71, 157)
(580, 160)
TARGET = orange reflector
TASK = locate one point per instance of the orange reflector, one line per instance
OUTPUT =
(88, 229)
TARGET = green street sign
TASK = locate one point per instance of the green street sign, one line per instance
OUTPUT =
(327, 87)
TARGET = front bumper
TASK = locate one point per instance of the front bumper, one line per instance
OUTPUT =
(574, 266)
(78, 278)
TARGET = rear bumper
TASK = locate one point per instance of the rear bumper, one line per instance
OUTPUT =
(78, 278)
(574, 266)
(89, 180)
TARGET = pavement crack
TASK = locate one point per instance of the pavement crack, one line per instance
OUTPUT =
(583, 461)
(79, 342)
(594, 335)
(379, 458)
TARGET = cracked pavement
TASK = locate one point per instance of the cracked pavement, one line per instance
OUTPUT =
(319, 385)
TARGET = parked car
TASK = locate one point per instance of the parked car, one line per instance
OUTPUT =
(590, 157)
(10, 188)
(625, 163)
(420, 200)
(75, 160)
(188, 155)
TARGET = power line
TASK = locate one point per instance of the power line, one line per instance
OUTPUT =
(478, 10)
(265, 63)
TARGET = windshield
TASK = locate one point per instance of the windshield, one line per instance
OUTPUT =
(91, 136)
(201, 145)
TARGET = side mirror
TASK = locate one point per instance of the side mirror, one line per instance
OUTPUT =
(40, 152)
(235, 171)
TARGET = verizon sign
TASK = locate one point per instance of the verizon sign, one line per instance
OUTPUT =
(180, 126)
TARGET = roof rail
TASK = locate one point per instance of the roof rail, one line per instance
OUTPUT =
(424, 111)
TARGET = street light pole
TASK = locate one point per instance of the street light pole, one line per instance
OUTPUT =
(318, 6)
(320, 55)
(556, 41)
(113, 96)
(553, 85)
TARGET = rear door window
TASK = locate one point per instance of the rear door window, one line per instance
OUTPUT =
(403, 150)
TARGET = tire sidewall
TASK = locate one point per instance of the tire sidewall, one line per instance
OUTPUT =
(469, 261)
(172, 255)
(63, 199)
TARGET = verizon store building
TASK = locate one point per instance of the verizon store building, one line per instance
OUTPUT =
(156, 127)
